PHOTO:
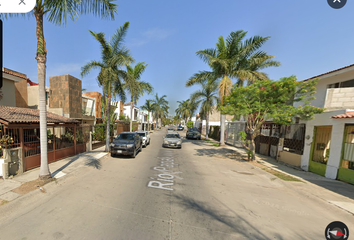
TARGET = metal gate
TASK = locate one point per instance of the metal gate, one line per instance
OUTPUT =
(233, 130)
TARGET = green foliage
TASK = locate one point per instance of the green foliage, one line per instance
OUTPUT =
(6, 141)
(267, 99)
(49, 135)
(271, 100)
(122, 117)
(99, 133)
(189, 124)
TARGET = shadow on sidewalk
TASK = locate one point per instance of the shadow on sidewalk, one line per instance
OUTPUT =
(89, 161)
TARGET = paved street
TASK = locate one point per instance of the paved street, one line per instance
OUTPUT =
(197, 192)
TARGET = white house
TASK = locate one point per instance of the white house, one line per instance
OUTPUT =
(329, 137)
(127, 111)
(120, 108)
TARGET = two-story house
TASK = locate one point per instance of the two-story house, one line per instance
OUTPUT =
(329, 137)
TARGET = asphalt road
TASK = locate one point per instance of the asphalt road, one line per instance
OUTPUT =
(197, 192)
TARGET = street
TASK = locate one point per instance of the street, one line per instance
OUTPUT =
(197, 192)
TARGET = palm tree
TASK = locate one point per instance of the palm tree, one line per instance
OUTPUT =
(148, 106)
(208, 98)
(136, 87)
(234, 58)
(193, 106)
(57, 13)
(160, 107)
(183, 109)
(114, 57)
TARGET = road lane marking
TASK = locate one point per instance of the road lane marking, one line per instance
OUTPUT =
(165, 179)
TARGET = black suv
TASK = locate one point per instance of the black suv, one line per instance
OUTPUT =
(126, 143)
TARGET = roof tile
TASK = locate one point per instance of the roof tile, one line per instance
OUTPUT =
(345, 115)
(27, 115)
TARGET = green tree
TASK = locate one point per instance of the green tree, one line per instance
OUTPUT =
(57, 12)
(114, 56)
(208, 98)
(135, 87)
(233, 58)
(160, 108)
(183, 109)
(189, 124)
(271, 100)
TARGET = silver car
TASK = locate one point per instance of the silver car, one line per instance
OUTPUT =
(172, 140)
(145, 137)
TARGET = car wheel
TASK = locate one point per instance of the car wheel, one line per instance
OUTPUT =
(113, 155)
(180, 147)
(134, 153)
(199, 138)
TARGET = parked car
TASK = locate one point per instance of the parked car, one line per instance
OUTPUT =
(193, 129)
(170, 130)
(126, 143)
(172, 140)
(195, 134)
(145, 136)
(180, 128)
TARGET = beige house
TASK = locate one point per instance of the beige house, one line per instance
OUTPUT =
(329, 137)
(14, 90)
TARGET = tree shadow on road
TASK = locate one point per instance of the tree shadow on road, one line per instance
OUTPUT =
(224, 221)
(93, 162)
(220, 152)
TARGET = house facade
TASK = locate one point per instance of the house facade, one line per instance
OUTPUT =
(329, 137)
(14, 90)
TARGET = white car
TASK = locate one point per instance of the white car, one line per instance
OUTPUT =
(145, 136)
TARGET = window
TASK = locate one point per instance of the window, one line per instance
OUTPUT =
(345, 84)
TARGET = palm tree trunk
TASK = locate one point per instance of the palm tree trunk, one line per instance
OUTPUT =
(41, 58)
(207, 126)
(222, 129)
(131, 115)
(108, 129)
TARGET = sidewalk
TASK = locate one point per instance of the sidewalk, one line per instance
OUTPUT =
(334, 192)
(58, 169)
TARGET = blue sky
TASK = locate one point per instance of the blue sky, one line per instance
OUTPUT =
(307, 37)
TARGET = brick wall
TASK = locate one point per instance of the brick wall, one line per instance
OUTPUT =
(339, 98)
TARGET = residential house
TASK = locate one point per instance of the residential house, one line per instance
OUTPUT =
(14, 90)
(120, 108)
(127, 111)
(214, 120)
(329, 137)
(64, 97)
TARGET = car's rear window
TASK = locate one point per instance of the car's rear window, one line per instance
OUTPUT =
(172, 136)
(125, 137)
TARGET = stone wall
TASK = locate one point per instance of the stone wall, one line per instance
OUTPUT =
(65, 92)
